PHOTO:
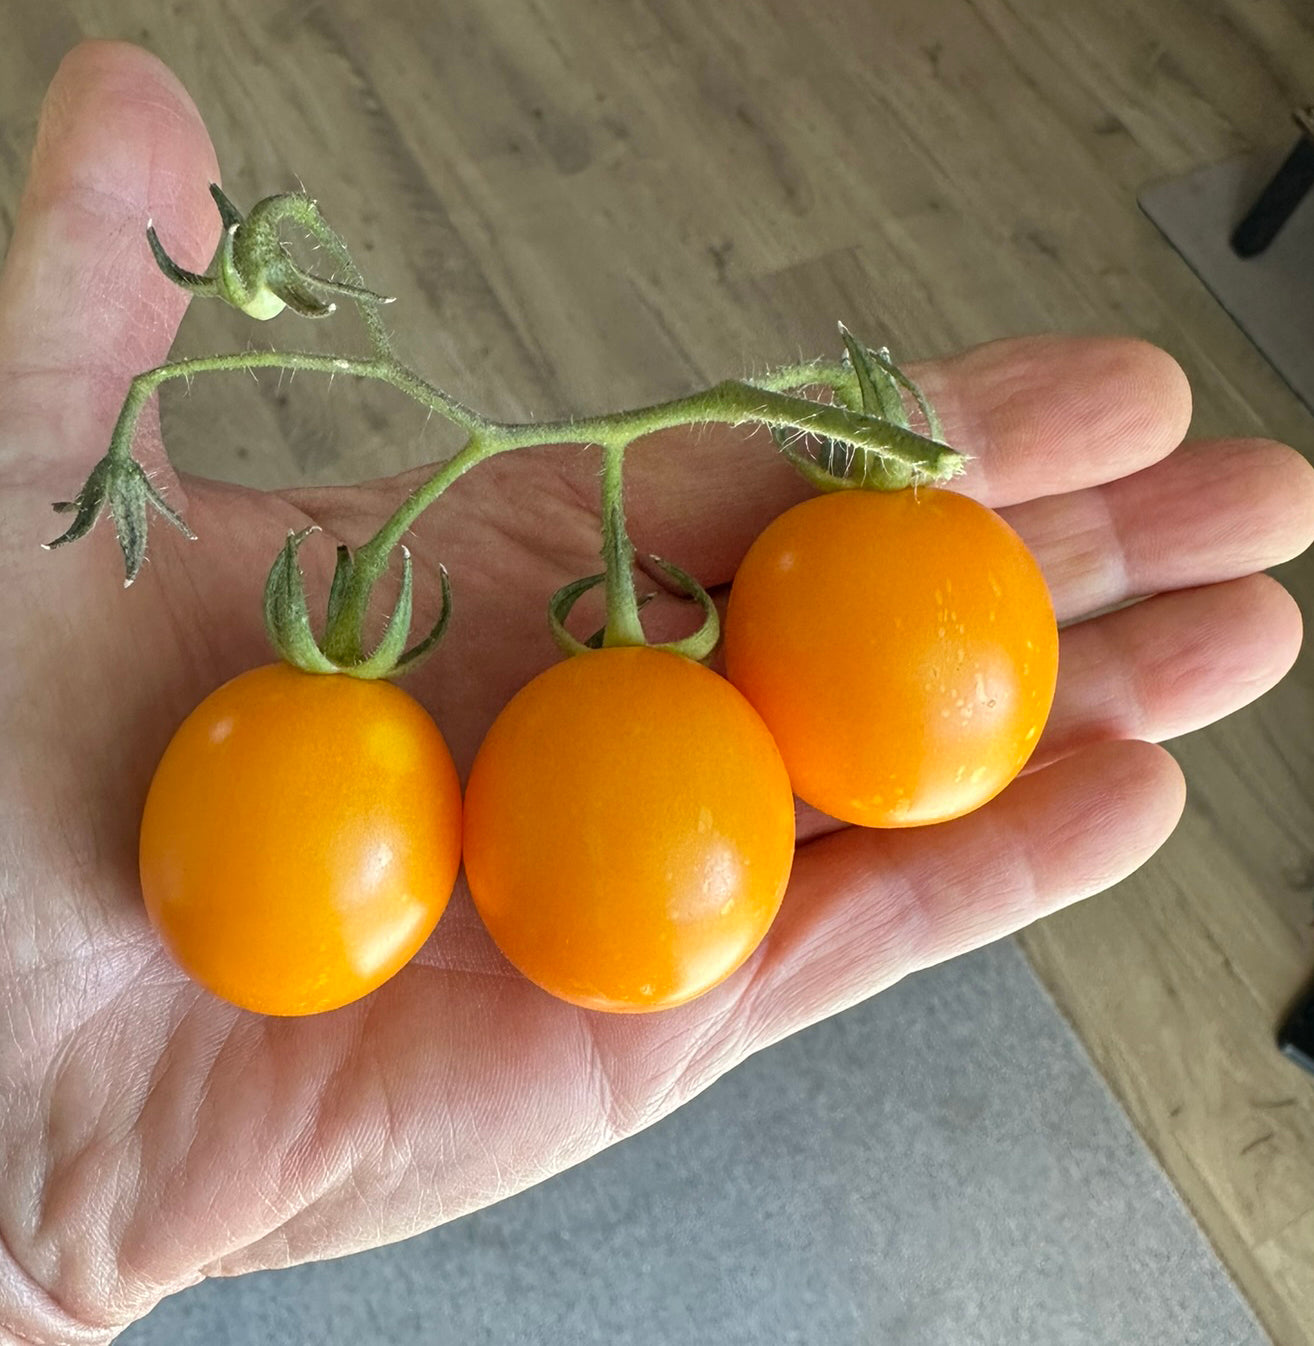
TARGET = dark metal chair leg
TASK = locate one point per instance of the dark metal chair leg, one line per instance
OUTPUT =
(1278, 201)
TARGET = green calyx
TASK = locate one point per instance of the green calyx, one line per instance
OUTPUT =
(856, 433)
(252, 269)
(119, 484)
(623, 625)
(698, 646)
(342, 648)
(871, 383)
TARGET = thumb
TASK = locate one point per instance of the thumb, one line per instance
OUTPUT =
(83, 306)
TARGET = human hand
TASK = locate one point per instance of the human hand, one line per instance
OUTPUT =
(151, 1134)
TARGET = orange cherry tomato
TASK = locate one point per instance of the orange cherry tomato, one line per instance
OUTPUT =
(902, 648)
(629, 829)
(301, 838)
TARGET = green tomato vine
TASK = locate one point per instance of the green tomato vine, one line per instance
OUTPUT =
(859, 439)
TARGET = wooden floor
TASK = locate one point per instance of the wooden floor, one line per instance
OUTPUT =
(588, 202)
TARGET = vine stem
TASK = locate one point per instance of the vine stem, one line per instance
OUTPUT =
(385, 368)
(306, 213)
(729, 403)
(733, 402)
(253, 271)
(809, 372)
(623, 624)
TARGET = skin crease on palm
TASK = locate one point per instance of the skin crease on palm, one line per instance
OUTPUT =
(151, 1135)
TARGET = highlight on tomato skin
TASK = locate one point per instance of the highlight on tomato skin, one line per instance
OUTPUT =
(300, 839)
(629, 829)
(902, 648)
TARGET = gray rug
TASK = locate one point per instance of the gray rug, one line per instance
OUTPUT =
(1271, 296)
(938, 1167)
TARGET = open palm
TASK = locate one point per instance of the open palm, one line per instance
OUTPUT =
(150, 1134)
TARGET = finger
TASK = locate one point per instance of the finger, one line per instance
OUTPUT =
(1039, 415)
(865, 908)
(83, 307)
(1171, 664)
(1047, 414)
(1212, 511)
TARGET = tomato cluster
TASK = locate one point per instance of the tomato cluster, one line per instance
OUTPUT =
(628, 822)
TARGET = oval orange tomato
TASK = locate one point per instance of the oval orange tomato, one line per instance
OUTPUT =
(629, 829)
(300, 838)
(902, 648)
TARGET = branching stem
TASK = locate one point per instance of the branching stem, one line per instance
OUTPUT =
(864, 425)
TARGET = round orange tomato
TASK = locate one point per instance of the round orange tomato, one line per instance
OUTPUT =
(301, 838)
(629, 829)
(902, 648)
